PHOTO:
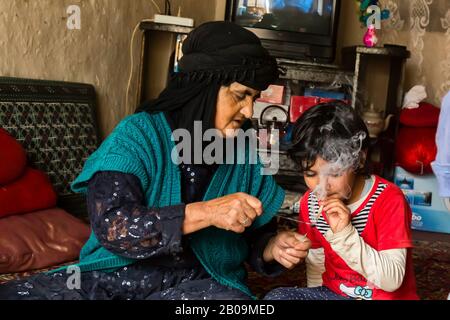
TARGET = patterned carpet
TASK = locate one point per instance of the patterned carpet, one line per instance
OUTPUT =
(431, 263)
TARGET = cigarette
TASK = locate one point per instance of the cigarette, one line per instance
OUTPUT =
(319, 213)
(294, 220)
(304, 237)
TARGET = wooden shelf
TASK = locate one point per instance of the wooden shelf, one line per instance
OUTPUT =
(387, 50)
(153, 26)
(149, 30)
(312, 72)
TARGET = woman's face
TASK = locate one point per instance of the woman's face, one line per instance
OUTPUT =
(234, 107)
(322, 179)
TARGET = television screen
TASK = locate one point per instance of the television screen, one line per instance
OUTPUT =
(306, 16)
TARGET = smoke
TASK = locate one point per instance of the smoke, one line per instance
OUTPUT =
(341, 156)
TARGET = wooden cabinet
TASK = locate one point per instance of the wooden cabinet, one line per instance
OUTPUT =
(157, 45)
(357, 78)
(379, 80)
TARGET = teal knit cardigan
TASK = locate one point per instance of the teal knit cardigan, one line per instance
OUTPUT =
(142, 145)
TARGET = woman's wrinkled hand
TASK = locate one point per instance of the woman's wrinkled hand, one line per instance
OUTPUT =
(234, 212)
(287, 248)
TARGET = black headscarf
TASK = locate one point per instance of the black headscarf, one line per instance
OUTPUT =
(215, 54)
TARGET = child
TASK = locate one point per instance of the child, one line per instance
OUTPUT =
(359, 225)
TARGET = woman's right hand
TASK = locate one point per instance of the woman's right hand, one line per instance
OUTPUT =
(234, 212)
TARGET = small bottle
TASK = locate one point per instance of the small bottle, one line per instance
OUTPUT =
(370, 38)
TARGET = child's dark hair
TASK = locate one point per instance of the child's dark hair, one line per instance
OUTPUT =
(333, 131)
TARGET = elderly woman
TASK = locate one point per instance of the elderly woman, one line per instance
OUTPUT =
(162, 230)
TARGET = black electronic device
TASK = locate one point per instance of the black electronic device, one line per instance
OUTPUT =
(295, 29)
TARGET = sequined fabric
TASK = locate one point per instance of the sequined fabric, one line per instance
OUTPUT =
(195, 180)
(124, 225)
(167, 268)
(141, 281)
(294, 293)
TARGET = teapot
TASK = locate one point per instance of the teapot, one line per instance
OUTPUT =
(375, 122)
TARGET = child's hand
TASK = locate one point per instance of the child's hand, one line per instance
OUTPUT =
(338, 214)
(287, 248)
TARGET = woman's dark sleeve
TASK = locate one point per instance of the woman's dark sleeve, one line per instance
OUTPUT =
(124, 225)
(257, 241)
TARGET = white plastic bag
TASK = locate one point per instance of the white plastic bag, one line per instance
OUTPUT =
(414, 96)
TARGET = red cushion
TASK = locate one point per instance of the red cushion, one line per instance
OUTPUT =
(416, 146)
(426, 115)
(13, 158)
(31, 192)
(40, 239)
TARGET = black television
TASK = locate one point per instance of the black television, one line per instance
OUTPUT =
(293, 29)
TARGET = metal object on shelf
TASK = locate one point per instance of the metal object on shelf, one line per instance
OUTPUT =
(259, 107)
(314, 72)
(274, 114)
(375, 121)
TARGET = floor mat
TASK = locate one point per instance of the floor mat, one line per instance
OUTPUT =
(431, 264)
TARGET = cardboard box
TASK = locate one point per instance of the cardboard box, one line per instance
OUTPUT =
(274, 94)
(301, 104)
(430, 212)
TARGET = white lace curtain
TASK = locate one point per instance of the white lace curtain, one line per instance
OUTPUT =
(424, 27)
